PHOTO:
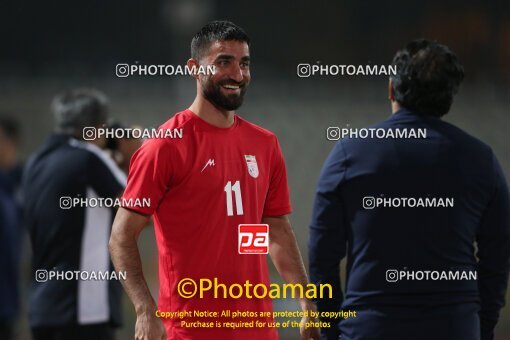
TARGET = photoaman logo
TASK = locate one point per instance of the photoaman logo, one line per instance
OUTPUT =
(253, 239)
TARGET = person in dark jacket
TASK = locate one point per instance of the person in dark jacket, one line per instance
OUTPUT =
(69, 239)
(423, 221)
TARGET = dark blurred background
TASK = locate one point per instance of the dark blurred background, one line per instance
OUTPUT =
(50, 46)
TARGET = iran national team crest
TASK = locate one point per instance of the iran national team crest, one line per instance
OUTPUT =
(253, 169)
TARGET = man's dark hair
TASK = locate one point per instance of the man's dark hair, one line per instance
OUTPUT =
(79, 108)
(216, 31)
(10, 128)
(428, 76)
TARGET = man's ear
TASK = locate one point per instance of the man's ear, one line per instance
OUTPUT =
(391, 97)
(193, 65)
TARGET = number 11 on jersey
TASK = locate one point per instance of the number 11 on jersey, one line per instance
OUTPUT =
(236, 189)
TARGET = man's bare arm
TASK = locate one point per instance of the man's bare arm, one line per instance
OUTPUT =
(284, 252)
(126, 257)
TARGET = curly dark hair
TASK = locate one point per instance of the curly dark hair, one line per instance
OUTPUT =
(428, 76)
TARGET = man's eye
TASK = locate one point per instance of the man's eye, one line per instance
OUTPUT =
(245, 65)
(223, 62)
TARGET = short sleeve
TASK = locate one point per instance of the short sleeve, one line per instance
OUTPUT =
(150, 174)
(277, 199)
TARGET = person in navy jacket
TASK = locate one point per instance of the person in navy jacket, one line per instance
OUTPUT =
(424, 221)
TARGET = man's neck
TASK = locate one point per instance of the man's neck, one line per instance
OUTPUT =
(395, 106)
(211, 114)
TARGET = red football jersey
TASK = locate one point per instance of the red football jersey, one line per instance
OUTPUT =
(201, 187)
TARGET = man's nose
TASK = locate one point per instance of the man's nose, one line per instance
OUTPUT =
(236, 73)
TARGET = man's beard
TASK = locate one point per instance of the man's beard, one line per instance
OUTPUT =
(212, 92)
